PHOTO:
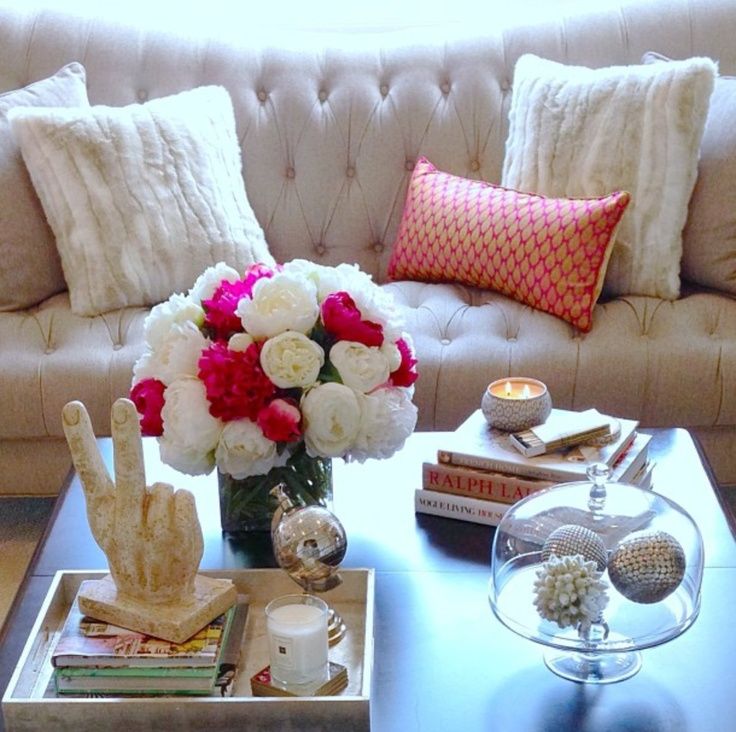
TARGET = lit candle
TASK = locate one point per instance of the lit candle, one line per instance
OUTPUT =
(296, 626)
(516, 403)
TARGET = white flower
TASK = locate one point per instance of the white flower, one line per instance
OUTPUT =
(361, 367)
(243, 450)
(240, 342)
(177, 309)
(331, 414)
(205, 285)
(177, 355)
(191, 433)
(279, 303)
(388, 418)
(290, 359)
(393, 355)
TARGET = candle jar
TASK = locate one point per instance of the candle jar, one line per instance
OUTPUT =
(296, 626)
(516, 403)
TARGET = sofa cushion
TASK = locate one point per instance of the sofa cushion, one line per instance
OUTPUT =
(30, 269)
(576, 131)
(709, 237)
(550, 253)
(141, 198)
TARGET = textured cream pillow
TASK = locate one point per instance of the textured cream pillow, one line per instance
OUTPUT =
(141, 198)
(575, 131)
(30, 270)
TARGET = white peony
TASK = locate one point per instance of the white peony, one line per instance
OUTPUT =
(290, 359)
(279, 303)
(243, 450)
(177, 355)
(361, 367)
(393, 355)
(240, 342)
(177, 309)
(205, 285)
(388, 418)
(191, 433)
(331, 414)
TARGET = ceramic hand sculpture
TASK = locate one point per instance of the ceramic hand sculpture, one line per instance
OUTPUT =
(151, 537)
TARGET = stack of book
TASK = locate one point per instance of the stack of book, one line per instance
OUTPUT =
(480, 472)
(95, 658)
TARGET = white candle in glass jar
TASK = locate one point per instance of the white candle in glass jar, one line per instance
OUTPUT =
(297, 638)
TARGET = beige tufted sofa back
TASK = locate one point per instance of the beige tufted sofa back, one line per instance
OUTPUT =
(330, 127)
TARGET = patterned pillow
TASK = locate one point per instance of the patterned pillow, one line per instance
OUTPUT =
(550, 253)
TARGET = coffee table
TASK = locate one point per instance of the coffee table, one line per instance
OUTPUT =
(442, 661)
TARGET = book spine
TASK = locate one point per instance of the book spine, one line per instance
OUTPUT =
(478, 484)
(462, 508)
(491, 465)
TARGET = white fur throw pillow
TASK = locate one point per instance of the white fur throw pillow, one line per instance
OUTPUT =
(141, 198)
(580, 132)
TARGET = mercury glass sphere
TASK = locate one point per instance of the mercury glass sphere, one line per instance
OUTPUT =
(309, 543)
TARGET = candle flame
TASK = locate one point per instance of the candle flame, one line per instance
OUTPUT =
(526, 392)
(508, 388)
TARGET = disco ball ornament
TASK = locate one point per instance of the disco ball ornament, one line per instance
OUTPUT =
(309, 544)
(647, 567)
(571, 539)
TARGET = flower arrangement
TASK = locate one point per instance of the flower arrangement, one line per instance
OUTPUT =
(247, 369)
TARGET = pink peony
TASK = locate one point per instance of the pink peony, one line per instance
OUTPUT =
(219, 311)
(406, 374)
(280, 420)
(234, 381)
(148, 397)
(342, 319)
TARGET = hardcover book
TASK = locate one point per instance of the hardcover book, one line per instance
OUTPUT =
(91, 643)
(477, 445)
(509, 488)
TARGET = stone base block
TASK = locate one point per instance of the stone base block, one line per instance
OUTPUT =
(175, 622)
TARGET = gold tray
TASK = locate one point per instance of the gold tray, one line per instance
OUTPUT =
(30, 703)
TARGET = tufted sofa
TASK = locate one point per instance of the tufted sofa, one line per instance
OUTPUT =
(330, 127)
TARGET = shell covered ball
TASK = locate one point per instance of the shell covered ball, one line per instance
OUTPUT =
(571, 539)
(647, 566)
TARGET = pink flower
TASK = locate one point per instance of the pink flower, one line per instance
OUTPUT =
(234, 381)
(280, 421)
(148, 397)
(342, 319)
(406, 374)
(219, 311)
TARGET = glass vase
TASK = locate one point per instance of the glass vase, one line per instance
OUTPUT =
(246, 504)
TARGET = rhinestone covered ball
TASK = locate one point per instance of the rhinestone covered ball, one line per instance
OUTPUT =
(647, 566)
(571, 539)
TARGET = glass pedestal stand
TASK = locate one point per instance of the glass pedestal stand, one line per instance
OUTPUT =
(593, 667)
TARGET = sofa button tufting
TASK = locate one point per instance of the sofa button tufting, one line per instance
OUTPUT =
(322, 95)
(378, 247)
(262, 96)
(384, 90)
(117, 346)
(49, 350)
(290, 172)
(142, 95)
(409, 165)
(475, 166)
(350, 172)
(445, 341)
(320, 249)
(445, 87)
(505, 85)
(511, 339)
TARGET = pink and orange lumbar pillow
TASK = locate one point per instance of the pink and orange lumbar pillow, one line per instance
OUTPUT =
(549, 253)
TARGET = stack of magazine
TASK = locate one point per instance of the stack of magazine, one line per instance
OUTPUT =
(96, 658)
(480, 472)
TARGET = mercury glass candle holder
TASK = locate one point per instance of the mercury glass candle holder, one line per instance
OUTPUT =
(516, 403)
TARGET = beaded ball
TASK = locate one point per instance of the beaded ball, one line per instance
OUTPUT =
(571, 539)
(647, 566)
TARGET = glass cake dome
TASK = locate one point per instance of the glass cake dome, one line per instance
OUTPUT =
(596, 571)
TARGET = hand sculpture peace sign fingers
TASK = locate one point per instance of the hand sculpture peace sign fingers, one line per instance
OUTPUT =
(130, 477)
(98, 487)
